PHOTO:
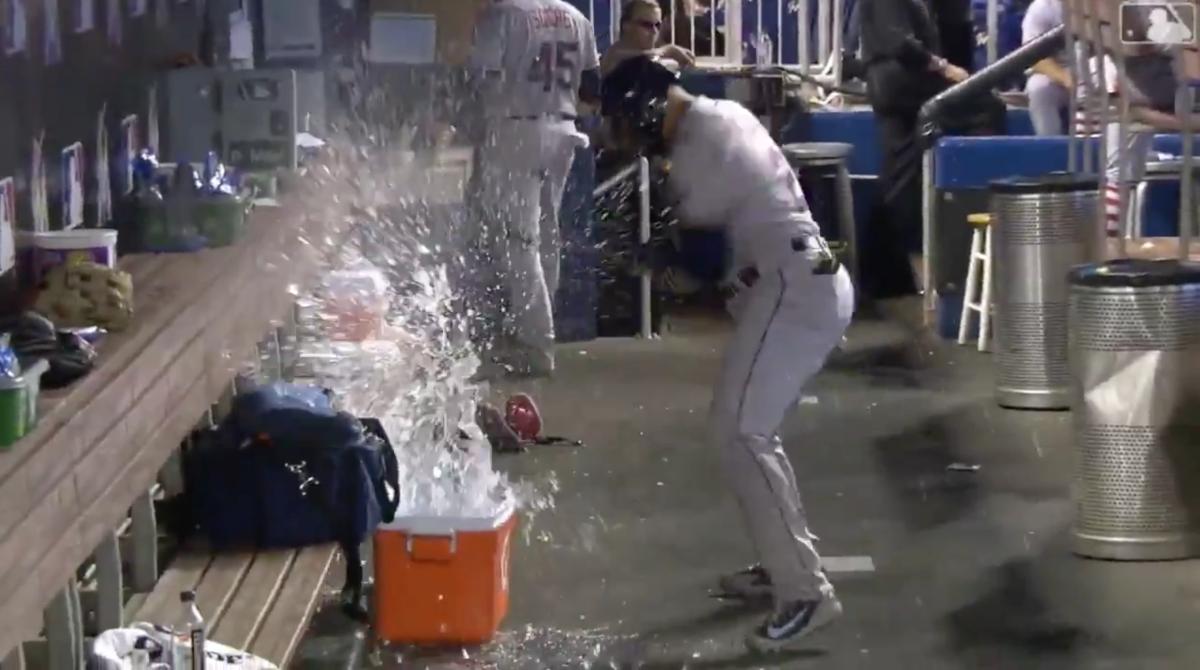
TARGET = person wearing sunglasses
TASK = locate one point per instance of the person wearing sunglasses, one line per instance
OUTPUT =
(641, 25)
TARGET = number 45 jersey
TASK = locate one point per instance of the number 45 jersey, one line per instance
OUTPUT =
(542, 47)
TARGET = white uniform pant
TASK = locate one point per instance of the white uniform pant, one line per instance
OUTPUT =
(787, 324)
(1131, 170)
(1048, 99)
(525, 165)
(1138, 141)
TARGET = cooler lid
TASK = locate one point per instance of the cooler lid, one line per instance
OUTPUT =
(449, 525)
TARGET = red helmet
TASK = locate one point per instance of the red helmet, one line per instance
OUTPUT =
(522, 415)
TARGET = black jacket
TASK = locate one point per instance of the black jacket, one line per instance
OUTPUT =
(900, 41)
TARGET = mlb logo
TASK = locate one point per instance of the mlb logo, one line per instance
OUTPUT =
(1160, 23)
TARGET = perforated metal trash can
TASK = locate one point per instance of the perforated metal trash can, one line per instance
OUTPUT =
(1040, 229)
(1135, 353)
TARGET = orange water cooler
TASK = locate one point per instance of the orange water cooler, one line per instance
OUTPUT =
(442, 580)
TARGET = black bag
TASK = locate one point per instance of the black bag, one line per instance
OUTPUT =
(285, 470)
(35, 337)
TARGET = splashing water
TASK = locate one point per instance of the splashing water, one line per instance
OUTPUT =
(387, 330)
(527, 649)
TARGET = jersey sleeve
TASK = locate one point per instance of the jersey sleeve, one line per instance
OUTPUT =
(1037, 22)
(708, 197)
(591, 56)
(491, 33)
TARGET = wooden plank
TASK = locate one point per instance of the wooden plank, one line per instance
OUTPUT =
(32, 538)
(142, 266)
(250, 606)
(191, 274)
(109, 411)
(292, 610)
(76, 541)
(51, 546)
(186, 572)
(59, 437)
(221, 583)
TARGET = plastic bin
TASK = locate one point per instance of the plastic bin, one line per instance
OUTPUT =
(44, 251)
(207, 221)
(442, 580)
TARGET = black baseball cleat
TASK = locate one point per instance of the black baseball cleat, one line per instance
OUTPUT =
(753, 583)
(794, 622)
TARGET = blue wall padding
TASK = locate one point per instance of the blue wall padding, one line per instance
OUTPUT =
(974, 162)
(857, 127)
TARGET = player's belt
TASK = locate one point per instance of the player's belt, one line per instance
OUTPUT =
(827, 264)
(543, 117)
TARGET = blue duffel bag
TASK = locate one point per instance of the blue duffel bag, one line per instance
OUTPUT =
(287, 470)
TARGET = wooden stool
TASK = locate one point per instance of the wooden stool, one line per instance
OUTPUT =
(973, 301)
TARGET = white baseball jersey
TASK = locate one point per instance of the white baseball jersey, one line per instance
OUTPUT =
(728, 172)
(542, 47)
(1041, 17)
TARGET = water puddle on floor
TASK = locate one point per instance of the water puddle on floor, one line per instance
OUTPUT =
(528, 649)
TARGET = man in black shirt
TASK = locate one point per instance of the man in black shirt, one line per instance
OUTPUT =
(901, 51)
(956, 29)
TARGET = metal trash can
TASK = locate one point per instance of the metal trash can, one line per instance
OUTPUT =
(1135, 354)
(1041, 227)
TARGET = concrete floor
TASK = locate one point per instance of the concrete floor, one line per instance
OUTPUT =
(971, 569)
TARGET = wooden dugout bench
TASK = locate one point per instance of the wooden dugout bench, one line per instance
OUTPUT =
(78, 534)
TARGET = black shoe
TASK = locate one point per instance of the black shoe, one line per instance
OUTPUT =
(752, 583)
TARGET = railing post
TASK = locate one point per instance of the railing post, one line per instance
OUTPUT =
(644, 237)
(1186, 98)
(804, 25)
(836, 48)
(823, 25)
(993, 30)
(929, 209)
(1073, 143)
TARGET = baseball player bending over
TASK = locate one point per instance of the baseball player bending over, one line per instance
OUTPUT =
(538, 59)
(791, 305)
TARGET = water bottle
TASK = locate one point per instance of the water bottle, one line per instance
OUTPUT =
(145, 169)
(191, 624)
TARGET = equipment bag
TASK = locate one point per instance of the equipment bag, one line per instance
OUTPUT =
(286, 470)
